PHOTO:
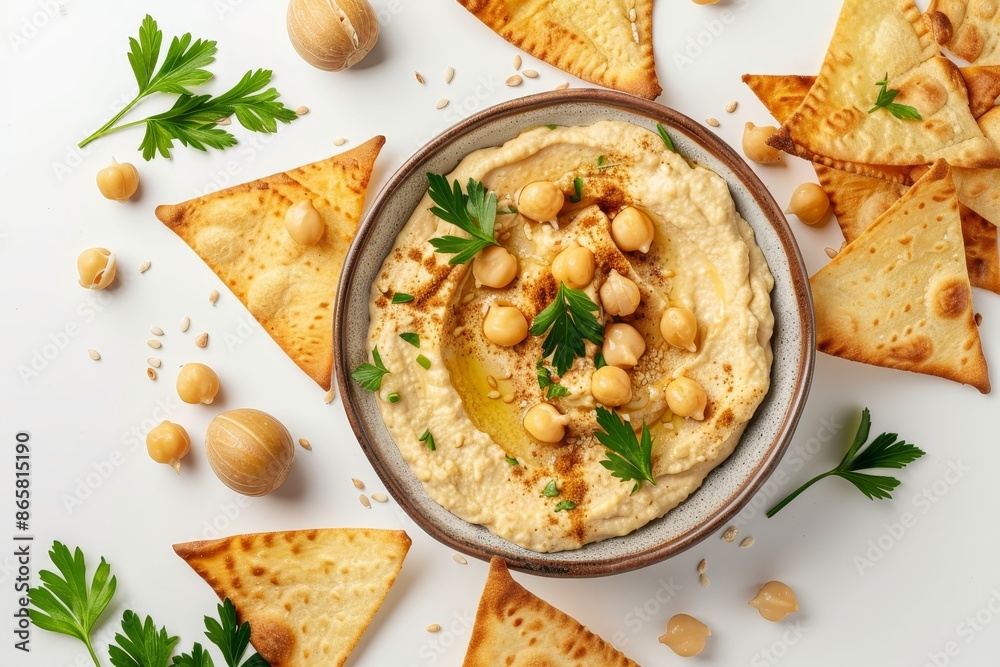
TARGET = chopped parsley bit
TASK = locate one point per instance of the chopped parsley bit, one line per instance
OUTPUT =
(885, 101)
(556, 391)
(369, 376)
(599, 361)
(428, 439)
(424, 361)
(565, 506)
(393, 397)
(552, 390)
(550, 490)
(411, 338)
(600, 161)
(511, 461)
(666, 137)
(508, 210)
(402, 297)
(578, 186)
(552, 127)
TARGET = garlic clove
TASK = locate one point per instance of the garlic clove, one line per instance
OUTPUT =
(332, 34)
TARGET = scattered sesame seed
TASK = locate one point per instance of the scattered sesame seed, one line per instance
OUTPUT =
(420, 78)
(213, 296)
(339, 141)
(562, 86)
(442, 103)
(514, 80)
(703, 580)
(491, 381)
(508, 398)
(201, 340)
(631, 15)
(358, 484)
(156, 331)
(712, 122)
(94, 354)
(154, 362)
(731, 107)
(730, 533)
(150, 373)
(225, 121)
(747, 542)
(153, 343)
(302, 111)
(830, 252)
(364, 501)
(530, 73)
(449, 74)
(145, 266)
(185, 323)
(702, 566)
(380, 497)
(460, 559)
(517, 62)
(433, 627)
(305, 444)
(979, 319)
(493, 394)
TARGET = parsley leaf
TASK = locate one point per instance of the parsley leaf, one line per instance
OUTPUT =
(552, 390)
(428, 440)
(578, 187)
(886, 99)
(411, 338)
(569, 320)
(550, 490)
(599, 361)
(198, 657)
(402, 297)
(565, 505)
(66, 604)
(370, 376)
(231, 637)
(511, 461)
(424, 362)
(556, 391)
(474, 213)
(142, 645)
(666, 137)
(629, 458)
(885, 451)
(182, 67)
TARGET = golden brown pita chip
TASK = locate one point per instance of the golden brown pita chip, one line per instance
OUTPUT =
(517, 629)
(983, 83)
(899, 295)
(607, 42)
(969, 28)
(308, 595)
(874, 37)
(240, 233)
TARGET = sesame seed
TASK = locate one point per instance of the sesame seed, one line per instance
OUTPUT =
(514, 80)
(493, 394)
(702, 566)
(364, 501)
(441, 104)
(530, 73)
(747, 542)
(213, 296)
(153, 343)
(185, 323)
(730, 534)
(145, 266)
(460, 559)
(380, 497)
(517, 61)
(433, 627)
(979, 319)
(201, 340)
(703, 580)
(358, 484)
(154, 362)
(562, 86)
(508, 398)
(225, 121)
(449, 74)
(94, 354)
(491, 381)
(339, 141)
(712, 122)
(631, 15)
(305, 444)
(302, 111)
(731, 107)
(150, 373)
(420, 78)
(830, 252)
(156, 331)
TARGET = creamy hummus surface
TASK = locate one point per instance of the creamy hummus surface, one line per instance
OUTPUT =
(473, 396)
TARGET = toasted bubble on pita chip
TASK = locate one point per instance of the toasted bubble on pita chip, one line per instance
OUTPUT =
(968, 28)
(308, 595)
(289, 288)
(607, 42)
(514, 628)
(874, 39)
(899, 295)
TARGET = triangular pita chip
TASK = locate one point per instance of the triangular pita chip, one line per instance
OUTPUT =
(872, 38)
(240, 233)
(899, 295)
(969, 28)
(514, 628)
(859, 200)
(308, 595)
(609, 43)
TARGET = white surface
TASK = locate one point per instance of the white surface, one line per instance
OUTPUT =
(931, 586)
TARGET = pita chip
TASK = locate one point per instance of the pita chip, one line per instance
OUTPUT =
(968, 28)
(289, 288)
(514, 628)
(873, 38)
(983, 83)
(899, 295)
(607, 42)
(308, 595)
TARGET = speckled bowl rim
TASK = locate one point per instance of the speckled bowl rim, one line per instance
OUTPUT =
(552, 564)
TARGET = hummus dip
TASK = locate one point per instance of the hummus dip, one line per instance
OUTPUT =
(471, 395)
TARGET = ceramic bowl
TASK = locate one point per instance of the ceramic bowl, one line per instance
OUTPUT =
(731, 485)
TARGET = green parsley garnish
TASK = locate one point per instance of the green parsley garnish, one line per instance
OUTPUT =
(629, 458)
(402, 297)
(511, 460)
(424, 361)
(599, 361)
(393, 397)
(474, 213)
(885, 101)
(507, 211)
(231, 637)
(578, 187)
(552, 127)
(369, 376)
(600, 161)
(550, 490)
(552, 390)
(884, 452)
(565, 506)
(193, 119)
(556, 391)
(569, 319)
(666, 137)
(198, 657)
(428, 440)
(411, 338)
(142, 644)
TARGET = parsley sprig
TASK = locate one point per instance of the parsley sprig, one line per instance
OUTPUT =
(886, 101)
(231, 637)
(885, 451)
(552, 389)
(629, 458)
(369, 376)
(474, 213)
(192, 119)
(570, 320)
(142, 645)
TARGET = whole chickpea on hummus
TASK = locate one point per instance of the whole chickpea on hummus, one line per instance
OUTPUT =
(609, 218)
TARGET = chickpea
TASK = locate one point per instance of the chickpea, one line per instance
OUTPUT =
(679, 328)
(755, 143)
(197, 383)
(687, 398)
(545, 423)
(168, 443)
(118, 181)
(774, 601)
(619, 295)
(304, 223)
(810, 203)
(685, 635)
(574, 266)
(623, 345)
(505, 325)
(632, 230)
(495, 267)
(541, 201)
(611, 386)
(97, 268)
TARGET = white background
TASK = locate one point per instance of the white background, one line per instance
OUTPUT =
(872, 590)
